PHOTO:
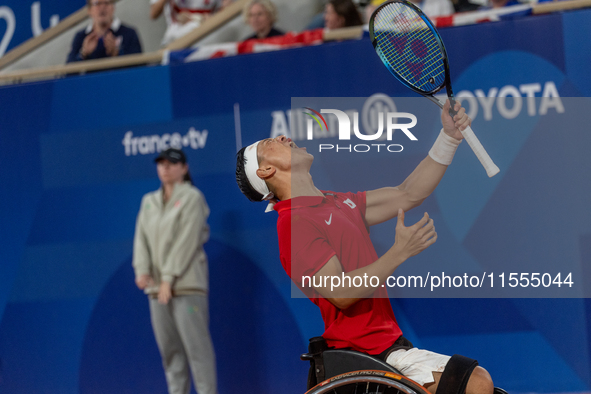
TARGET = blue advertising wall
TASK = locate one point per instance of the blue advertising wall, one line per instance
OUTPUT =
(77, 156)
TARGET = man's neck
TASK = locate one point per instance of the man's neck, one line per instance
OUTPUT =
(298, 185)
(263, 34)
(101, 28)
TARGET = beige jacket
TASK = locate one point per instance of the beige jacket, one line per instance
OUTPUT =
(169, 238)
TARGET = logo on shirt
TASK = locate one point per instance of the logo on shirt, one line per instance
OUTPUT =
(329, 220)
(350, 203)
(177, 204)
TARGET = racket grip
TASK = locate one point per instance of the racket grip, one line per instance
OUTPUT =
(480, 152)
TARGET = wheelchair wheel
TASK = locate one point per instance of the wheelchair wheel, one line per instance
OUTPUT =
(368, 382)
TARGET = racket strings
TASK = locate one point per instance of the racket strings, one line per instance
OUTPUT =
(418, 62)
(407, 44)
(431, 66)
(408, 67)
(420, 33)
(405, 26)
(391, 47)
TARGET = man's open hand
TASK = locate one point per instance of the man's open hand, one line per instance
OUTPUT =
(412, 240)
(111, 44)
(89, 44)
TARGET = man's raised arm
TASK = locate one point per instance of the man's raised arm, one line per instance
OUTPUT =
(383, 204)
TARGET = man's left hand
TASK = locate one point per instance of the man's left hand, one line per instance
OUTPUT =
(164, 293)
(460, 121)
(111, 46)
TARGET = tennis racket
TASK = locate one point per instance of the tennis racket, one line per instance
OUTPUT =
(412, 50)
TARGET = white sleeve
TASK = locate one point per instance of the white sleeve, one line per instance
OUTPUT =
(141, 261)
(191, 236)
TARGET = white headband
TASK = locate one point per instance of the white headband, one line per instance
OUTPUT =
(251, 166)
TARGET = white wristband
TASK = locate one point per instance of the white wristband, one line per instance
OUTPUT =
(444, 148)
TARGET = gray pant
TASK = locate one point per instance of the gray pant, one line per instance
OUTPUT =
(182, 332)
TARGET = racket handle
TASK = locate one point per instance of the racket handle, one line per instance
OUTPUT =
(480, 152)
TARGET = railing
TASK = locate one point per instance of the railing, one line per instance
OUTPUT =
(554, 6)
(207, 27)
(210, 25)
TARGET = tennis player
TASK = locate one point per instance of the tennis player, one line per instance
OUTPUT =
(326, 234)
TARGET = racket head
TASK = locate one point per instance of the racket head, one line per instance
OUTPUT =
(410, 47)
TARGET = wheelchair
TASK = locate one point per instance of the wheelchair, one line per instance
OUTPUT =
(340, 371)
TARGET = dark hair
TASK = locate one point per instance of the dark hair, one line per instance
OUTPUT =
(188, 178)
(348, 10)
(242, 180)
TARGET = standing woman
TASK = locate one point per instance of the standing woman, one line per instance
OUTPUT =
(171, 267)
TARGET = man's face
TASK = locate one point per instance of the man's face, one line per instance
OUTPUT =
(282, 153)
(101, 12)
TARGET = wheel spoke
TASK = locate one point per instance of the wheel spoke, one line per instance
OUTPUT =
(370, 384)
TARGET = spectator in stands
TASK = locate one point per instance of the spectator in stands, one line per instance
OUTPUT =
(106, 36)
(341, 13)
(435, 8)
(261, 15)
(182, 16)
(336, 11)
(500, 3)
(465, 5)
